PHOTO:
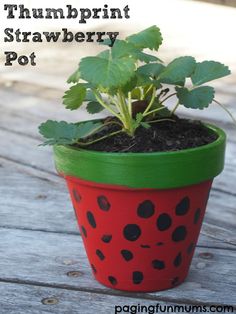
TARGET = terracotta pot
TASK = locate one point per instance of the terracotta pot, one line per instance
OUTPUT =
(140, 214)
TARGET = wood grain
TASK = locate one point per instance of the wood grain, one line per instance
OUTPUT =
(46, 258)
(42, 203)
(33, 299)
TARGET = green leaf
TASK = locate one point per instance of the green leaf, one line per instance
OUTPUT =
(58, 132)
(164, 112)
(87, 128)
(137, 120)
(106, 54)
(151, 70)
(90, 96)
(177, 70)
(208, 71)
(107, 73)
(63, 133)
(74, 78)
(145, 125)
(106, 42)
(74, 97)
(121, 48)
(149, 38)
(130, 85)
(198, 98)
(144, 57)
(143, 80)
(139, 117)
(94, 107)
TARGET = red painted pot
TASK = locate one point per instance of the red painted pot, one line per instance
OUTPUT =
(140, 214)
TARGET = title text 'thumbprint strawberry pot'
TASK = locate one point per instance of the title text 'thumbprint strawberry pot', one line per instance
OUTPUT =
(139, 180)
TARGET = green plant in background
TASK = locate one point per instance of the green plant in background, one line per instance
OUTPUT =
(133, 86)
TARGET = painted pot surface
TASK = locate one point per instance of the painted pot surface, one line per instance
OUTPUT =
(139, 240)
(140, 214)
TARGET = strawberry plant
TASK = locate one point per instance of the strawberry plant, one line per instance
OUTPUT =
(133, 85)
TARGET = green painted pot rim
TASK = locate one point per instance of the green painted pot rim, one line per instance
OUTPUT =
(162, 170)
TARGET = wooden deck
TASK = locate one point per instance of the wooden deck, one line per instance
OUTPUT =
(43, 267)
(41, 249)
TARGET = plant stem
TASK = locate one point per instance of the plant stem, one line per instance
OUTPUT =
(100, 139)
(130, 103)
(175, 108)
(126, 114)
(141, 93)
(151, 101)
(101, 102)
(113, 122)
(226, 109)
(153, 111)
(102, 126)
(149, 88)
(112, 100)
(160, 120)
(167, 98)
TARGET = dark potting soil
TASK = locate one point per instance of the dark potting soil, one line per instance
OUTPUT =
(162, 136)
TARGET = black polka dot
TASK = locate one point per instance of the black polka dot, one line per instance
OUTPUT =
(159, 243)
(145, 246)
(190, 248)
(112, 280)
(197, 216)
(91, 220)
(76, 195)
(178, 260)
(146, 209)
(183, 207)
(131, 232)
(175, 281)
(103, 203)
(137, 277)
(127, 255)
(94, 269)
(179, 234)
(100, 255)
(157, 264)
(164, 222)
(84, 231)
(106, 238)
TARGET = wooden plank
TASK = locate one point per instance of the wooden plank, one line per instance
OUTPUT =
(53, 255)
(28, 299)
(18, 111)
(34, 203)
(43, 203)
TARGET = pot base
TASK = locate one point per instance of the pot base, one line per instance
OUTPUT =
(139, 240)
(148, 286)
